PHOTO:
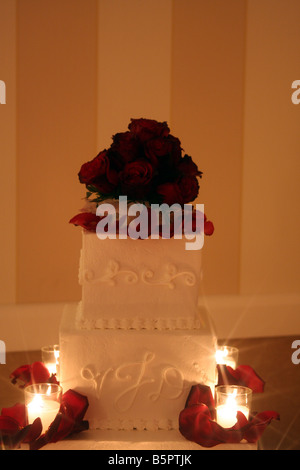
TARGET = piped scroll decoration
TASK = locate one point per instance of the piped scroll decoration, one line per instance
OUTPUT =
(170, 273)
(112, 271)
(168, 276)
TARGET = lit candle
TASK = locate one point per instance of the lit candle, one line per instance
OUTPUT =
(50, 357)
(229, 400)
(227, 355)
(42, 401)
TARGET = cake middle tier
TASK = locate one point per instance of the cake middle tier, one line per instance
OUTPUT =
(137, 284)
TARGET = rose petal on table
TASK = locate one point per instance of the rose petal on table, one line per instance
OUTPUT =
(243, 375)
(201, 394)
(258, 424)
(17, 412)
(30, 374)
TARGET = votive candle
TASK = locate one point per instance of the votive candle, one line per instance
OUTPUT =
(227, 355)
(50, 357)
(229, 400)
(42, 401)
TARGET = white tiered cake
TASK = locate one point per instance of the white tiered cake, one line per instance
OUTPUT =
(138, 340)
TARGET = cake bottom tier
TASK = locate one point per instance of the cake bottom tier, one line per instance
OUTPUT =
(135, 379)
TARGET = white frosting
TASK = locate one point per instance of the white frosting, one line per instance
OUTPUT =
(134, 379)
(135, 440)
(119, 277)
(138, 323)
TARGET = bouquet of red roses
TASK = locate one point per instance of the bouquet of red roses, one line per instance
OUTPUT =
(146, 164)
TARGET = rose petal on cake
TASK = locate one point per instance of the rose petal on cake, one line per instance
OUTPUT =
(208, 227)
(86, 220)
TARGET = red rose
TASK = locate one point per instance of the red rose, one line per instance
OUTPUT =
(157, 148)
(189, 188)
(99, 173)
(164, 152)
(170, 193)
(188, 167)
(90, 171)
(136, 178)
(146, 129)
(126, 146)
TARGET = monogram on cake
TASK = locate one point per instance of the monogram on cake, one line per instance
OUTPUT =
(139, 338)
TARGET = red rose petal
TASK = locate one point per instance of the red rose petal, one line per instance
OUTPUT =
(39, 373)
(201, 394)
(68, 420)
(242, 375)
(77, 403)
(196, 423)
(208, 227)
(16, 412)
(21, 373)
(86, 220)
(8, 425)
(34, 431)
(249, 377)
(258, 424)
(29, 374)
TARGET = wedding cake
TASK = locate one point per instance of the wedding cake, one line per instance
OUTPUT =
(139, 338)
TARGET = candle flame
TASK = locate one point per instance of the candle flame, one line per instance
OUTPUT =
(36, 403)
(220, 355)
(231, 398)
(231, 404)
(56, 355)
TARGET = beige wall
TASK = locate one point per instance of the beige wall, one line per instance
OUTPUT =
(134, 63)
(220, 72)
(207, 112)
(56, 113)
(8, 152)
(270, 226)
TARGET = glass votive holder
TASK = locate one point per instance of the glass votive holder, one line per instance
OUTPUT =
(42, 401)
(229, 400)
(227, 355)
(50, 357)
